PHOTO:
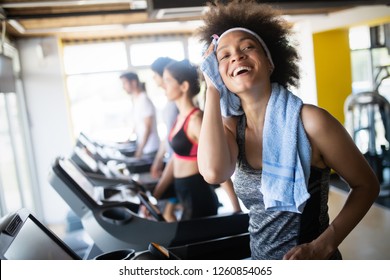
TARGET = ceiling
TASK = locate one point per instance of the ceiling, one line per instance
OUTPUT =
(98, 18)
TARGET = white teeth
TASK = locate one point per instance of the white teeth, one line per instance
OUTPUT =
(237, 70)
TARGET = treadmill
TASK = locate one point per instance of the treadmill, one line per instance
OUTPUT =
(109, 173)
(115, 224)
(106, 153)
(24, 237)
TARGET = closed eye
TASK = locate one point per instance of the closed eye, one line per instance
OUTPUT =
(223, 56)
(248, 48)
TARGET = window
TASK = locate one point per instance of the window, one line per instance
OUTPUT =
(362, 79)
(359, 38)
(368, 55)
(359, 42)
(15, 179)
(99, 106)
(17, 176)
(370, 66)
(99, 57)
(195, 51)
(381, 62)
(145, 53)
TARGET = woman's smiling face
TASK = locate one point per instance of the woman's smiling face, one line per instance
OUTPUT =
(242, 61)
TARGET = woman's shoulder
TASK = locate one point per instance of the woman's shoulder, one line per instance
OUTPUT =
(194, 124)
(196, 116)
(196, 112)
(323, 131)
(315, 118)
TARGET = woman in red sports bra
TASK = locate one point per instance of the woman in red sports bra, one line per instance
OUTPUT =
(196, 196)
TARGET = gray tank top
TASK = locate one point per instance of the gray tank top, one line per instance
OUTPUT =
(273, 233)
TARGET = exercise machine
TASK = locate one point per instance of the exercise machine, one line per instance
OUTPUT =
(116, 224)
(368, 121)
(105, 153)
(109, 173)
(24, 237)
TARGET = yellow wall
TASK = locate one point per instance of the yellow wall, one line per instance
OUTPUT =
(333, 70)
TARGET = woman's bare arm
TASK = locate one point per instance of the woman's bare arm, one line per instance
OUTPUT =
(217, 151)
(339, 152)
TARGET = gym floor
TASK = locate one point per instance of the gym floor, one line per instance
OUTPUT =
(370, 240)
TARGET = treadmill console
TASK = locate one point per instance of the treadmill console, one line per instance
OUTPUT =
(23, 237)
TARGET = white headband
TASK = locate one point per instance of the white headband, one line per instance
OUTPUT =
(218, 38)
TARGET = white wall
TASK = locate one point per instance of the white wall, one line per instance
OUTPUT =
(307, 90)
(48, 116)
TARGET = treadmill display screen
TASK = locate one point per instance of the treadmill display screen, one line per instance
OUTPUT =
(33, 243)
(79, 178)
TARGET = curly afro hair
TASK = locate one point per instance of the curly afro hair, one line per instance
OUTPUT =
(262, 19)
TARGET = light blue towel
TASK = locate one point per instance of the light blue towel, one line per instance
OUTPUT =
(286, 149)
(230, 103)
(286, 153)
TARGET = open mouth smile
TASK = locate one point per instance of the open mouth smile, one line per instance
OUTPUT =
(241, 70)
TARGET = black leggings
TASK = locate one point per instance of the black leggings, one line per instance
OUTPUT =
(197, 197)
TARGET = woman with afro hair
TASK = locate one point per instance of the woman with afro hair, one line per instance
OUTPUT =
(279, 150)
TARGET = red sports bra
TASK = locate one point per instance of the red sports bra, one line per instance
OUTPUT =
(182, 146)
